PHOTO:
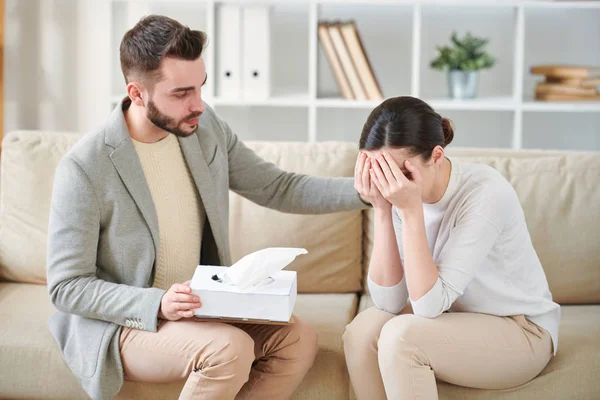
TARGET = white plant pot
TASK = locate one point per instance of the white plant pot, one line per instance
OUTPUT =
(462, 84)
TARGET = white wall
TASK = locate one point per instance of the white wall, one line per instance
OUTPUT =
(56, 63)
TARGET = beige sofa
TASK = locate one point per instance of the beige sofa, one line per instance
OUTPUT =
(560, 193)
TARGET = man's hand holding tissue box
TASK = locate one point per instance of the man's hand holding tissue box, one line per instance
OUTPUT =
(178, 302)
(255, 289)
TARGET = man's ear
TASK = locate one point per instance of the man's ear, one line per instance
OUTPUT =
(136, 93)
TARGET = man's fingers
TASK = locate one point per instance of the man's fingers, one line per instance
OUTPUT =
(181, 288)
(185, 306)
(186, 314)
(184, 298)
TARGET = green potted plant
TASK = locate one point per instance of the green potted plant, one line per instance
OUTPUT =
(462, 62)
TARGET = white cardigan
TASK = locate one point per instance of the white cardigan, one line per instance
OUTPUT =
(486, 262)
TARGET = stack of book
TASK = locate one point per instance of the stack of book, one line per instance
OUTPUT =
(567, 83)
(347, 57)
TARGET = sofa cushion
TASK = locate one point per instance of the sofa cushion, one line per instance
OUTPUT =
(33, 368)
(328, 314)
(333, 241)
(559, 192)
(572, 374)
(29, 159)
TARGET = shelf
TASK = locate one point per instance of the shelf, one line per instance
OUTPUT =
(335, 102)
(284, 100)
(564, 106)
(459, 3)
(484, 104)
(473, 3)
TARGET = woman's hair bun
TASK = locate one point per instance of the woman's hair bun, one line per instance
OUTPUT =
(448, 131)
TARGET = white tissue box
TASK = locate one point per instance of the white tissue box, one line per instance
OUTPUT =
(272, 301)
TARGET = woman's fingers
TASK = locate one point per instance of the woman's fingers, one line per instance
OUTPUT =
(375, 180)
(366, 181)
(385, 169)
(360, 164)
(414, 172)
(383, 183)
(394, 168)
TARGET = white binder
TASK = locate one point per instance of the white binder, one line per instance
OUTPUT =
(229, 50)
(256, 50)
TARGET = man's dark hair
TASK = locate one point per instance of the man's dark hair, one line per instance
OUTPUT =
(154, 37)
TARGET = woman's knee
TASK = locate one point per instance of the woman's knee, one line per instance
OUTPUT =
(365, 328)
(401, 333)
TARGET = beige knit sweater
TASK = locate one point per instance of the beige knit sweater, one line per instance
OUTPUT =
(180, 211)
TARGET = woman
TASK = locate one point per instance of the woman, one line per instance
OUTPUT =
(449, 236)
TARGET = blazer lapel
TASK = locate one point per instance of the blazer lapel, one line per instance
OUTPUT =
(128, 165)
(203, 178)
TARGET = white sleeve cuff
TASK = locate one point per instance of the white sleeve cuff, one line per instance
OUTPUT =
(389, 298)
(431, 304)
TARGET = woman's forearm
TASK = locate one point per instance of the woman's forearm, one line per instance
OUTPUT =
(385, 267)
(419, 267)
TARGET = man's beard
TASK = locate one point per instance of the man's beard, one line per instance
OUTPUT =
(167, 123)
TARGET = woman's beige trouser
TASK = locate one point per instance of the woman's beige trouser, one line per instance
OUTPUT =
(401, 356)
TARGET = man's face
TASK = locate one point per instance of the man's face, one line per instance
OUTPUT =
(176, 100)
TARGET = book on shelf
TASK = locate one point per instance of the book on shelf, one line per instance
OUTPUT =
(351, 72)
(566, 71)
(587, 82)
(361, 61)
(559, 88)
(348, 59)
(334, 61)
(565, 97)
(567, 83)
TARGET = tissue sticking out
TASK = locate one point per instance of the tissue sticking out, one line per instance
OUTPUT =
(256, 268)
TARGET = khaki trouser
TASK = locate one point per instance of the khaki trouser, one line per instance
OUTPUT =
(401, 356)
(219, 360)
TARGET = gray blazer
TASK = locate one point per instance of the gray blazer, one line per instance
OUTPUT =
(103, 233)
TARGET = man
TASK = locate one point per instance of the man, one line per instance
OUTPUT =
(137, 205)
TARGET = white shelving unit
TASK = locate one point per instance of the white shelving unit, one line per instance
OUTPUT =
(400, 38)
